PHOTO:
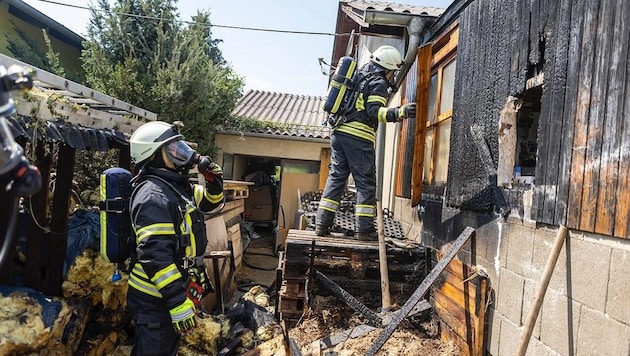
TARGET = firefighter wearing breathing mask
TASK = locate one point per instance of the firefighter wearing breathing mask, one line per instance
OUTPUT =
(168, 278)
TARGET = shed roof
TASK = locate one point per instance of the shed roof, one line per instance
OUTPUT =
(357, 8)
(72, 113)
(291, 114)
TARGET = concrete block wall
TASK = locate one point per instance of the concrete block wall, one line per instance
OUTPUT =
(586, 306)
(586, 309)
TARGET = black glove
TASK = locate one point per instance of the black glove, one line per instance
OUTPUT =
(209, 169)
(407, 111)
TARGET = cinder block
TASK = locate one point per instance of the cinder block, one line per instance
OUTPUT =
(519, 250)
(601, 335)
(487, 240)
(618, 304)
(560, 318)
(538, 348)
(494, 331)
(510, 299)
(529, 294)
(543, 243)
(510, 334)
(587, 281)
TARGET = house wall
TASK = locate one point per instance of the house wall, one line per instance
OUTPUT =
(581, 49)
(69, 54)
(274, 147)
(583, 146)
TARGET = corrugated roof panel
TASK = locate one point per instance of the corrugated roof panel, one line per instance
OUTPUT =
(360, 5)
(300, 115)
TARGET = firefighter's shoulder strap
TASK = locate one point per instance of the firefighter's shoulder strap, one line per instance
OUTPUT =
(361, 80)
(178, 210)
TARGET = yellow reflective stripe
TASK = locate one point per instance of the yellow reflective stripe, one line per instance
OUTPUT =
(359, 129)
(364, 210)
(103, 218)
(165, 276)
(200, 193)
(328, 204)
(377, 99)
(187, 229)
(382, 114)
(359, 104)
(155, 229)
(144, 287)
(139, 280)
(215, 198)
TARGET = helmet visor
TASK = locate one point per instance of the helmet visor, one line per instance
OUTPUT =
(179, 153)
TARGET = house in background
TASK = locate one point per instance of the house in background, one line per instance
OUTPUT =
(16, 14)
(292, 149)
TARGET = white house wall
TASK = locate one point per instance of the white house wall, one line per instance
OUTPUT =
(276, 147)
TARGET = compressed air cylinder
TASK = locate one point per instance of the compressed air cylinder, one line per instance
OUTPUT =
(338, 87)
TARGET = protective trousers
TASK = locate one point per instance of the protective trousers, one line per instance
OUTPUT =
(350, 155)
(154, 329)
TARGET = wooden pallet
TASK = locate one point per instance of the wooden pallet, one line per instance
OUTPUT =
(350, 263)
(236, 189)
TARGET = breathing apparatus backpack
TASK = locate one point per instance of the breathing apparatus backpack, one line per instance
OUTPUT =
(340, 89)
(343, 90)
(117, 237)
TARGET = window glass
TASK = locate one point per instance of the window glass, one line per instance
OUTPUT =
(448, 87)
(428, 153)
(432, 97)
(442, 149)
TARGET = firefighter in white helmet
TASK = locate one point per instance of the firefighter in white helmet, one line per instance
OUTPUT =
(352, 144)
(168, 278)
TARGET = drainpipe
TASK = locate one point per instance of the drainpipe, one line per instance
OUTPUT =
(415, 26)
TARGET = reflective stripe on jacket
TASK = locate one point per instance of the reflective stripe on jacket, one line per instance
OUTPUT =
(167, 216)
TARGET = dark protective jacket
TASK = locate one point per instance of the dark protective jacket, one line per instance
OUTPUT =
(369, 105)
(167, 215)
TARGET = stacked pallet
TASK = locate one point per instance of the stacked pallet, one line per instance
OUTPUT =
(351, 264)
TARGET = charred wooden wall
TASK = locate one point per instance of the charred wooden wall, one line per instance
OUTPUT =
(581, 177)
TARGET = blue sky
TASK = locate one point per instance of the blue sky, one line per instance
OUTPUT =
(277, 62)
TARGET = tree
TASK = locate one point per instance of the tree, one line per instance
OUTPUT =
(140, 52)
(28, 50)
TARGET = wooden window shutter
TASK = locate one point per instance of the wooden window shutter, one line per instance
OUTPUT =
(422, 98)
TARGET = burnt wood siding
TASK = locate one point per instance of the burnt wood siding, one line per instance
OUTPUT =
(581, 177)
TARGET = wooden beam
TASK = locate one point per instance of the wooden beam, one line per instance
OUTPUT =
(422, 100)
(58, 235)
(51, 82)
(38, 204)
(421, 290)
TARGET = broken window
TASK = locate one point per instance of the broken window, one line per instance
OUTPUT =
(518, 136)
(527, 136)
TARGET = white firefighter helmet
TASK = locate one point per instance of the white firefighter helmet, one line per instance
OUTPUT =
(387, 57)
(148, 138)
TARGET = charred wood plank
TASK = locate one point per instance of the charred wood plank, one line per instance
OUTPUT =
(59, 221)
(580, 140)
(347, 298)
(622, 209)
(421, 290)
(612, 128)
(35, 244)
(597, 108)
(570, 108)
(552, 109)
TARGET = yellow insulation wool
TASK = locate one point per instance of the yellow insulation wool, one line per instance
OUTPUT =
(21, 326)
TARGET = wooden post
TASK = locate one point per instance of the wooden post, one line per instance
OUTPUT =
(540, 292)
(382, 259)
